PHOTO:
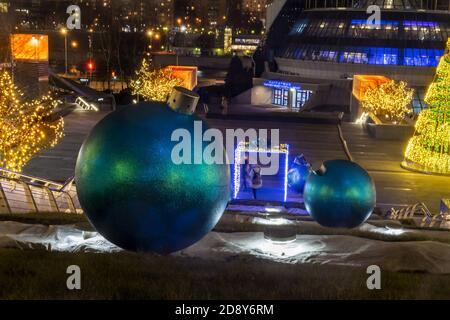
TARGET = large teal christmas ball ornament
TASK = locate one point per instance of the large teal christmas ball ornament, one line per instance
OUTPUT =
(341, 194)
(135, 195)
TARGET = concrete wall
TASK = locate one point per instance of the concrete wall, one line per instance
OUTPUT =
(415, 76)
(260, 94)
(31, 78)
(243, 98)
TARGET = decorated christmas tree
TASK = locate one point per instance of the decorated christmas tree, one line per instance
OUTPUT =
(429, 148)
(25, 127)
(154, 84)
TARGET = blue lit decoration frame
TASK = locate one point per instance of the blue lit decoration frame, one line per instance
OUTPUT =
(247, 148)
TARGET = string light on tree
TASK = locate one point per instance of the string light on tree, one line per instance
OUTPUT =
(154, 85)
(391, 101)
(25, 128)
(429, 149)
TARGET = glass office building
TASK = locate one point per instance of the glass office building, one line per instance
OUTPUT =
(330, 41)
(346, 35)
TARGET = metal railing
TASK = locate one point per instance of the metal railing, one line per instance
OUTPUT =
(24, 193)
(86, 105)
(419, 209)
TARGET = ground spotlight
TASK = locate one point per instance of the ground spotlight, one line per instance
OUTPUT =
(280, 233)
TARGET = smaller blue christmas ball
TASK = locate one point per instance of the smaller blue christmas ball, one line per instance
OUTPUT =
(297, 178)
(340, 195)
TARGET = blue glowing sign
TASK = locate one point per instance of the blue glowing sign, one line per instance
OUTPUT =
(280, 84)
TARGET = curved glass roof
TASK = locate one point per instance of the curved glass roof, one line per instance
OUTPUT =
(408, 38)
(383, 4)
(389, 4)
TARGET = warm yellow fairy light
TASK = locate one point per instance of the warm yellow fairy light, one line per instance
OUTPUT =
(390, 101)
(429, 149)
(154, 85)
(25, 127)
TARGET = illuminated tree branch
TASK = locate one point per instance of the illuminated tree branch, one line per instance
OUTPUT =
(391, 101)
(154, 85)
(25, 127)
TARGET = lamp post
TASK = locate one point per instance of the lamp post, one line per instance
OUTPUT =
(35, 43)
(150, 35)
(64, 32)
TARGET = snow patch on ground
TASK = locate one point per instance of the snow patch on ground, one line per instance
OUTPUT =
(418, 256)
(52, 238)
(413, 256)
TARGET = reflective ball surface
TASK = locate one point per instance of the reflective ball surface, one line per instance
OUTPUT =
(343, 196)
(297, 178)
(134, 194)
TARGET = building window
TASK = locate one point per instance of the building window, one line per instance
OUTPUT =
(354, 57)
(301, 97)
(422, 57)
(418, 103)
(280, 97)
(3, 7)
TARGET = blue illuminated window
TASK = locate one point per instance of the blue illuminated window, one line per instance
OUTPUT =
(325, 55)
(280, 97)
(301, 97)
(390, 56)
(356, 56)
(363, 22)
(422, 57)
(383, 56)
(428, 24)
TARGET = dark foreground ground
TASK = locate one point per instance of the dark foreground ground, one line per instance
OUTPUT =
(39, 274)
(42, 275)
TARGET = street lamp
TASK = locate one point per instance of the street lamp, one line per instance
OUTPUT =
(35, 43)
(150, 35)
(64, 32)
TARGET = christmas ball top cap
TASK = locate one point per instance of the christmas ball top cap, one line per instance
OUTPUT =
(183, 100)
(318, 168)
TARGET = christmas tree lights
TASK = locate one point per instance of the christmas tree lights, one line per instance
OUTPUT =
(429, 148)
(390, 101)
(25, 127)
(154, 85)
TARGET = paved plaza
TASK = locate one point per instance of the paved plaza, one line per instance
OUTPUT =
(318, 142)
